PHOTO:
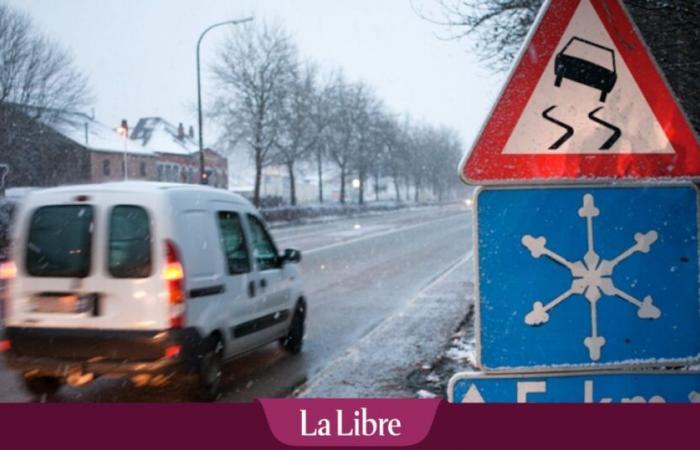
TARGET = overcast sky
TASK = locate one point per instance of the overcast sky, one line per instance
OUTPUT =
(140, 55)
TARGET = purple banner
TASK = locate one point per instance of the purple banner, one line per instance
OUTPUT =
(277, 424)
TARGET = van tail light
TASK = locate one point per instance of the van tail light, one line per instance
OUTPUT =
(8, 271)
(174, 276)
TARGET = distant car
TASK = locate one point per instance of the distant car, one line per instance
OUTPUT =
(571, 63)
(147, 280)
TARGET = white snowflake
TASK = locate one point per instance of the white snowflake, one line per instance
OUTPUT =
(590, 276)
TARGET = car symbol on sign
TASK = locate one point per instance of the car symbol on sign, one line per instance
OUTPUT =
(574, 62)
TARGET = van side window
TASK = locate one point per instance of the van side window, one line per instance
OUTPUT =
(264, 248)
(129, 242)
(60, 241)
(233, 242)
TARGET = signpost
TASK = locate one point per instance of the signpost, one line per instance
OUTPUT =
(585, 100)
(578, 273)
(582, 387)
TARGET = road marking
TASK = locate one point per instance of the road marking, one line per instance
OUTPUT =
(374, 235)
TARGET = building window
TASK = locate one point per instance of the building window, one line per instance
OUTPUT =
(160, 172)
(106, 169)
(142, 169)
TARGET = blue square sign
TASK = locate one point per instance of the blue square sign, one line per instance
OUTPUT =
(659, 386)
(577, 277)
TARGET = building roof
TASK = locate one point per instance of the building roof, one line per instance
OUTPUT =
(91, 134)
(163, 137)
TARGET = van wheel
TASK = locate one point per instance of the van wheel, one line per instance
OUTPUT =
(294, 340)
(210, 379)
(42, 386)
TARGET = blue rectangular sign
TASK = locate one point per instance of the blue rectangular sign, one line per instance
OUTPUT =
(576, 277)
(610, 387)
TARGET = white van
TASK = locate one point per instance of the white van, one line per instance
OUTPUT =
(147, 280)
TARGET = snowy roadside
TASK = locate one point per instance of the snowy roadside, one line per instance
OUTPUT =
(382, 362)
(459, 355)
(342, 214)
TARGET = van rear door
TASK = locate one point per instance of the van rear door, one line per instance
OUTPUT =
(88, 261)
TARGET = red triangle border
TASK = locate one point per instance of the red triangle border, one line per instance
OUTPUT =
(485, 164)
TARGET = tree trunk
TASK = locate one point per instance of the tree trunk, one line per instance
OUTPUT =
(342, 185)
(258, 179)
(415, 193)
(361, 198)
(396, 187)
(376, 186)
(292, 184)
(319, 161)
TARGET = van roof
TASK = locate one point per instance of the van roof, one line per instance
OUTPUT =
(140, 187)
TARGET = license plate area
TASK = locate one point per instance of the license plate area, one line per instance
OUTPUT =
(65, 303)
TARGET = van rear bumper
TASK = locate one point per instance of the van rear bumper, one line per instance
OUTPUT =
(57, 351)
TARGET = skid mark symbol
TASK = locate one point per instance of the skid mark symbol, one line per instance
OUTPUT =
(565, 137)
(616, 131)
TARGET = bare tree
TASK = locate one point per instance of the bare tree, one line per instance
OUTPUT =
(301, 123)
(38, 80)
(395, 156)
(340, 132)
(498, 29)
(34, 71)
(322, 117)
(366, 142)
(255, 70)
(444, 151)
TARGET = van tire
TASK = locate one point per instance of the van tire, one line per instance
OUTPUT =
(209, 386)
(294, 340)
(42, 386)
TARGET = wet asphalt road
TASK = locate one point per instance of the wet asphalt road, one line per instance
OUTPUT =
(357, 273)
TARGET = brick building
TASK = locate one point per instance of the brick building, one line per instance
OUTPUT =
(178, 153)
(45, 148)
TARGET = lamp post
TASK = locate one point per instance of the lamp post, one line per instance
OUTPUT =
(123, 131)
(202, 175)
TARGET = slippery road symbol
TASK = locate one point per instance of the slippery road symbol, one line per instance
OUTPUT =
(591, 278)
(569, 130)
(573, 62)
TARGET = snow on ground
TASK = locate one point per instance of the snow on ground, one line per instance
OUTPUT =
(380, 364)
(459, 355)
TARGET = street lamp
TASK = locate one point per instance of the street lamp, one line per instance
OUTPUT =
(202, 175)
(123, 131)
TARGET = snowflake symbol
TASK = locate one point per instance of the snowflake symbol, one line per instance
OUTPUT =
(591, 276)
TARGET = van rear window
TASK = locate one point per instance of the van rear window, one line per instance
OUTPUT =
(60, 241)
(129, 242)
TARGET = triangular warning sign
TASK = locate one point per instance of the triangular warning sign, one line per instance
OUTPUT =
(587, 101)
(473, 395)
